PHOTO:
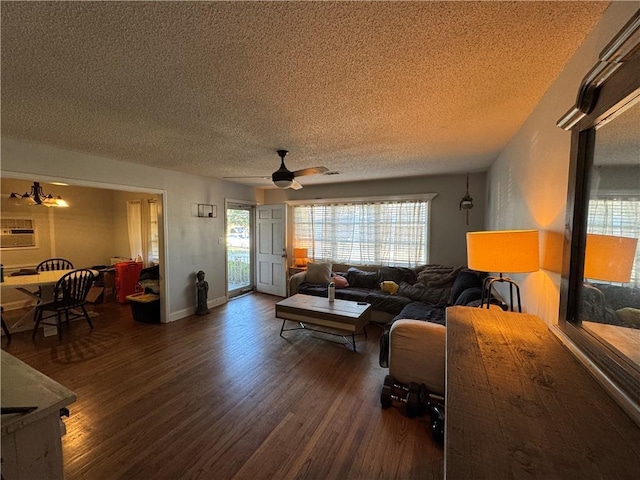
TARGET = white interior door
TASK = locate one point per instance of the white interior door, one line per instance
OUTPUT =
(271, 261)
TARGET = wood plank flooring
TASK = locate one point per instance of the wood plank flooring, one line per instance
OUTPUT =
(223, 396)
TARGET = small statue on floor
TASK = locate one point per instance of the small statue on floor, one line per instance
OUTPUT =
(202, 287)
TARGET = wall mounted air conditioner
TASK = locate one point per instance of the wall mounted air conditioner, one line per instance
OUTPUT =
(17, 233)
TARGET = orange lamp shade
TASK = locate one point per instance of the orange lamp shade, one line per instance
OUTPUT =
(609, 258)
(503, 251)
(300, 255)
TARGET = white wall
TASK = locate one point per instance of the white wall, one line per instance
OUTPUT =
(527, 184)
(448, 224)
(191, 242)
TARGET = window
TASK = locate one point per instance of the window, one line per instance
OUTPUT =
(380, 232)
(618, 217)
(154, 245)
(142, 220)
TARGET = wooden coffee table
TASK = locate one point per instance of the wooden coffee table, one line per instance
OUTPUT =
(344, 315)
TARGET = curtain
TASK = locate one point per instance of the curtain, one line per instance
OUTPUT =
(134, 222)
(142, 237)
(391, 233)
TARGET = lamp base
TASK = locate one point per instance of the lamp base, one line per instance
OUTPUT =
(487, 286)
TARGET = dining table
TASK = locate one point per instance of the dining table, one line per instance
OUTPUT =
(29, 285)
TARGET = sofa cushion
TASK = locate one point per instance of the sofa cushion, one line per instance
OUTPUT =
(422, 311)
(314, 289)
(353, 294)
(396, 274)
(385, 302)
(361, 279)
(318, 273)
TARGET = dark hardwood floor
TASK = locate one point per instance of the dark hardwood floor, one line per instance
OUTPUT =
(224, 396)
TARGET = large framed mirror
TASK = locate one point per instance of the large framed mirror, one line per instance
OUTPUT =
(600, 290)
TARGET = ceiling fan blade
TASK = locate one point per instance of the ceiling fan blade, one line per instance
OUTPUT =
(310, 171)
(264, 177)
(295, 185)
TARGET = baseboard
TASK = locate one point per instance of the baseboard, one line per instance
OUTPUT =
(187, 312)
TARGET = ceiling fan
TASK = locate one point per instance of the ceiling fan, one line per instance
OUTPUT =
(285, 178)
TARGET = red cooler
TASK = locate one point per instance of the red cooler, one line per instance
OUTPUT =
(127, 274)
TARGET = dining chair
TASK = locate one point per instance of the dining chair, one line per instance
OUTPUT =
(54, 264)
(69, 297)
(5, 329)
(46, 292)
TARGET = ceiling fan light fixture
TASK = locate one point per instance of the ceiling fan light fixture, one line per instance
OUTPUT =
(284, 183)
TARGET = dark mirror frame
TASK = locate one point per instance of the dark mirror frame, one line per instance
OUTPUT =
(611, 86)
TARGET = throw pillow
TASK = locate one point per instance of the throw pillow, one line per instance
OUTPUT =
(340, 281)
(389, 286)
(318, 273)
(362, 279)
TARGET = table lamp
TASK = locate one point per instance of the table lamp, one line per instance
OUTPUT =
(300, 256)
(503, 251)
(610, 259)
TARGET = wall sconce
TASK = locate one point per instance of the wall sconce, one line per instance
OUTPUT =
(300, 256)
(506, 251)
(37, 197)
(466, 203)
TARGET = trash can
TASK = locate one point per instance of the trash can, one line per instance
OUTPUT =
(145, 307)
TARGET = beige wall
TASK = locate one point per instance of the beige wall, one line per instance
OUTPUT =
(527, 184)
(448, 223)
(191, 242)
(82, 233)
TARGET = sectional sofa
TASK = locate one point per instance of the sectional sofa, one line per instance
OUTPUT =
(422, 293)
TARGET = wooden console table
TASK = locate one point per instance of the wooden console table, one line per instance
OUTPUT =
(519, 405)
(31, 444)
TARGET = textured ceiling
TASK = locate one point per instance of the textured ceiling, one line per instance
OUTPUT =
(370, 90)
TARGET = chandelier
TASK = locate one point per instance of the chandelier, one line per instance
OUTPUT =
(37, 197)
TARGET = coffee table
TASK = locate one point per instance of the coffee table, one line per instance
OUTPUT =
(347, 316)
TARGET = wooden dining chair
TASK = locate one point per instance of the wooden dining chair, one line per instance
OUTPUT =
(69, 297)
(46, 292)
(5, 329)
(54, 264)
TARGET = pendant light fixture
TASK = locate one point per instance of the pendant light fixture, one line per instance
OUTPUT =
(37, 197)
(466, 203)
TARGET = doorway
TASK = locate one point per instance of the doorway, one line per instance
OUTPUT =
(239, 221)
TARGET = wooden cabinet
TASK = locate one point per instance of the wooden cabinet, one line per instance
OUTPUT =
(31, 442)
